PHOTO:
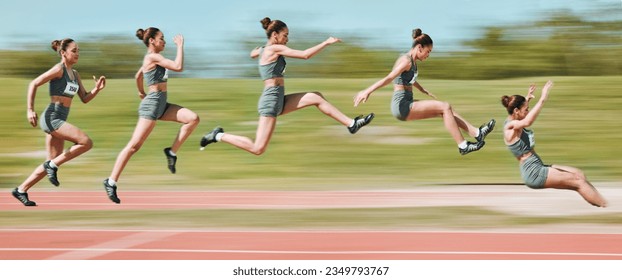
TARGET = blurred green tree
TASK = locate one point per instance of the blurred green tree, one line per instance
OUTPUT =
(112, 56)
(561, 44)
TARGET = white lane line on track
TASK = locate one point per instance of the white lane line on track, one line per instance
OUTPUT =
(110, 246)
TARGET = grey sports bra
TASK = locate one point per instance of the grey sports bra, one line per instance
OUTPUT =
(156, 75)
(524, 144)
(65, 86)
(408, 77)
(273, 69)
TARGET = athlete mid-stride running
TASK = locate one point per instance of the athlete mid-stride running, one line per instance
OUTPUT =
(273, 101)
(405, 108)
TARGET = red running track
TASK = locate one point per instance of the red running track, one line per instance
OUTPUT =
(164, 244)
(27, 244)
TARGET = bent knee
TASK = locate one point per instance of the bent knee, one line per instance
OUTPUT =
(85, 142)
(316, 96)
(89, 143)
(194, 119)
(132, 149)
(573, 174)
(446, 107)
(317, 93)
(189, 118)
(580, 176)
(259, 150)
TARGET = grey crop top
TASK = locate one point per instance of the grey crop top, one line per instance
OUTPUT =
(524, 144)
(65, 86)
(156, 75)
(407, 78)
(273, 69)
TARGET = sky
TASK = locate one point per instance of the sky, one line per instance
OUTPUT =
(216, 27)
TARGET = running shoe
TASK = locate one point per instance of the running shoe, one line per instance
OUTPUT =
(471, 147)
(111, 191)
(23, 198)
(170, 160)
(51, 171)
(210, 137)
(485, 129)
(360, 122)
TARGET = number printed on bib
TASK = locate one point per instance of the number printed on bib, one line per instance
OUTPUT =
(71, 89)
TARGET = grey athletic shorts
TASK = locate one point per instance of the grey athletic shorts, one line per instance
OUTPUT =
(153, 106)
(53, 117)
(271, 101)
(534, 172)
(401, 103)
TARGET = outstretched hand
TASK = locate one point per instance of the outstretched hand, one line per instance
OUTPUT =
(532, 89)
(547, 87)
(332, 40)
(100, 83)
(179, 40)
(360, 97)
(530, 95)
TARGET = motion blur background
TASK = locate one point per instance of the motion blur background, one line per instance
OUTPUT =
(483, 39)
(483, 50)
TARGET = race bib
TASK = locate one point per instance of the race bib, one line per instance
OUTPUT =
(412, 81)
(532, 139)
(71, 89)
(165, 77)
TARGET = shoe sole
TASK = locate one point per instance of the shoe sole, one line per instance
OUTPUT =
(368, 122)
(492, 127)
(114, 198)
(28, 203)
(483, 144)
(53, 179)
(204, 141)
(170, 167)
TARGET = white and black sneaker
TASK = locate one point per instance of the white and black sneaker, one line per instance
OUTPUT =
(111, 191)
(360, 122)
(471, 147)
(23, 198)
(51, 171)
(210, 137)
(170, 160)
(485, 129)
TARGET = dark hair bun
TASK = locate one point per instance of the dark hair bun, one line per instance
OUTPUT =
(505, 100)
(416, 33)
(265, 22)
(55, 45)
(140, 33)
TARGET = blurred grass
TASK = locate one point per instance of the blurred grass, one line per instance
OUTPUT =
(580, 126)
(456, 218)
